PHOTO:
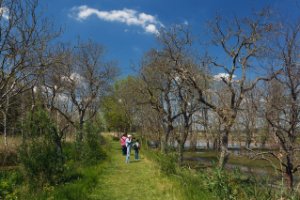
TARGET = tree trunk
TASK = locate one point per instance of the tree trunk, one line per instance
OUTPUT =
(193, 141)
(79, 135)
(207, 144)
(216, 144)
(80, 132)
(5, 120)
(165, 138)
(57, 141)
(163, 143)
(5, 127)
(224, 154)
(289, 179)
(180, 152)
(206, 139)
(248, 139)
(181, 142)
(289, 176)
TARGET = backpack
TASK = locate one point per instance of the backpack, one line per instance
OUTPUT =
(123, 141)
(136, 146)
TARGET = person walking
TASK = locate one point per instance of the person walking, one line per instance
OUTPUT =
(123, 144)
(128, 143)
(136, 147)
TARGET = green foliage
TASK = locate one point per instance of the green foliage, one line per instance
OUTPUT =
(92, 148)
(84, 179)
(114, 114)
(167, 162)
(233, 185)
(77, 180)
(257, 188)
(119, 107)
(215, 183)
(193, 184)
(39, 153)
(80, 188)
(8, 183)
(220, 184)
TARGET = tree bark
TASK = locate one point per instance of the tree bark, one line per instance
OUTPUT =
(289, 176)
(165, 138)
(224, 154)
(180, 153)
(164, 143)
(5, 112)
(249, 137)
(79, 136)
(181, 142)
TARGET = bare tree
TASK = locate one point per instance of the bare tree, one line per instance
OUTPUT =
(248, 119)
(167, 93)
(74, 85)
(282, 104)
(242, 42)
(188, 106)
(23, 38)
(51, 86)
(158, 90)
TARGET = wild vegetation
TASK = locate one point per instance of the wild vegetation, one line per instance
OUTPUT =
(57, 98)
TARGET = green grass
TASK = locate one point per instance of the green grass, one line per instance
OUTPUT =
(146, 179)
(79, 182)
(113, 179)
(137, 180)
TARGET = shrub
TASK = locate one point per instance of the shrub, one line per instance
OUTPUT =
(193, 184)
(219, 183)
(92, 151)
(166, 162)
(8, 183)
(39, 153)
(234, 185)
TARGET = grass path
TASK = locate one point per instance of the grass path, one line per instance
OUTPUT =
(136, 180)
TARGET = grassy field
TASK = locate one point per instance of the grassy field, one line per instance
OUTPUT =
(137, 180)
(150, 178)
(112, 179)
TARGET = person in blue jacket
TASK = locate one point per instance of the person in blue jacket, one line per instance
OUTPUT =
(128, 143)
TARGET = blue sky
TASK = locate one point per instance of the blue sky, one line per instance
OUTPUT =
(127, 28)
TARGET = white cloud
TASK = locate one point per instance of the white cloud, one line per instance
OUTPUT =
(219, 76)
(4, 12)
(149, 23)
(151, 28)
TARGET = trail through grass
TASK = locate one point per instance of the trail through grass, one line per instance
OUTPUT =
(136, 180)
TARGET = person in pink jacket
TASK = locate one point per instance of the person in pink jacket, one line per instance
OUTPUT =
(123, 144)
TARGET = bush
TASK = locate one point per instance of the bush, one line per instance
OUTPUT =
(220, 184)
(234, 185)
(39, 153)
(8, 183)
(166, 162)
(193, 184)
(92, 151)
